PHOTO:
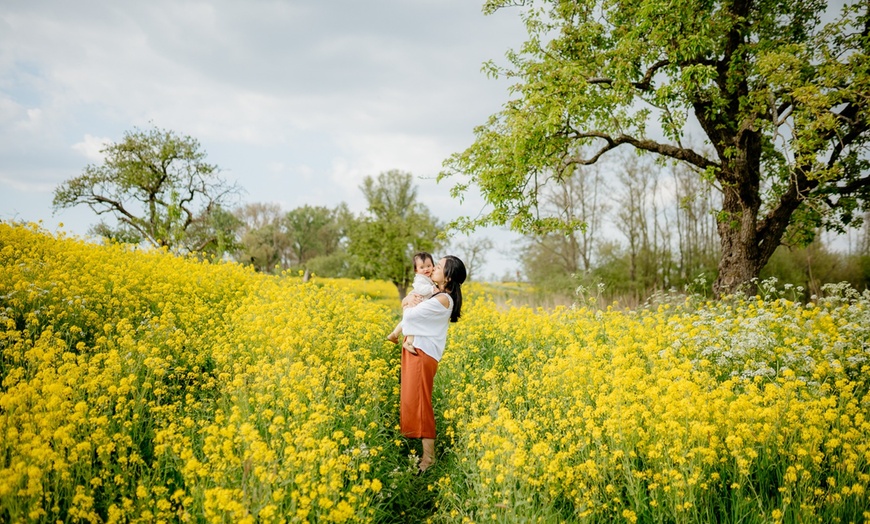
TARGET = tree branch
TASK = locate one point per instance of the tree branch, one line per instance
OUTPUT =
(781, 116)
(846, 141)
(677, 153)
(643, 85)
(115, 206)
(851, 187)
(789, 201)
(112, 205)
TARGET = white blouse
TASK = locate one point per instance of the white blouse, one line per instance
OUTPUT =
(423, 286)
(427, 322)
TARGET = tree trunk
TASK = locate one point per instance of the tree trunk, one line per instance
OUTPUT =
(738, 266)
(748, 240)
(742, 257)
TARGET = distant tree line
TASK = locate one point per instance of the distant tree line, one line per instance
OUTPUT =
(378, 243)
(648, 228)
(635, 226)
(272, 239)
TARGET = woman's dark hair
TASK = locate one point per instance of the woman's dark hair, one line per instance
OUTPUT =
(454, 276)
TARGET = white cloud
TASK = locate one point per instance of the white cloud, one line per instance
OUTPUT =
(16, 118)
(91, 147)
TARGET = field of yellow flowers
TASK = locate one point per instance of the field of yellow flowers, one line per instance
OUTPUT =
(136, 386)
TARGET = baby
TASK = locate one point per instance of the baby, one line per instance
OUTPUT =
(423, 286)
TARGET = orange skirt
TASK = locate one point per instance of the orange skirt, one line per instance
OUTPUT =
(416, 416)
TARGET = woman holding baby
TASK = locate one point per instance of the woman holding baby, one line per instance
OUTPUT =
(426, 320)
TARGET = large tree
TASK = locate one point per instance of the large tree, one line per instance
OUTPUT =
(384, 239)
(778, 98)
(158, 186)
(313, 231)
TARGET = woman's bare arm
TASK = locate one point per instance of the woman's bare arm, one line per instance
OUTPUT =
(411, 300)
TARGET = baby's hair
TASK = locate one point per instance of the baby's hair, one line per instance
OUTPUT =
(422, 256)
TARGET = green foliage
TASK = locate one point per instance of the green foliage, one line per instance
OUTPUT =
(335, 265)
(383, 241)
(217, 233)
(314, 231)
(260, 248)
(160, 189)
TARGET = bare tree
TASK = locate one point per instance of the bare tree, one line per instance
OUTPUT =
(631, 213)
(558, 257)
(697, 240)
(644, 215)
(579, 199)
(472, 251)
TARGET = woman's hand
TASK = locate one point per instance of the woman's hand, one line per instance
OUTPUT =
(411, 300)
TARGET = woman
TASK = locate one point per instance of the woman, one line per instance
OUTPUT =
(427, 321)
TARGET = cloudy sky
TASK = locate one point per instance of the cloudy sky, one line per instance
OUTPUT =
(297, 100)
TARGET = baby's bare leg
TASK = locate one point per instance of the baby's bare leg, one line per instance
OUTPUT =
(408, 344)
(394, 335)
